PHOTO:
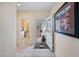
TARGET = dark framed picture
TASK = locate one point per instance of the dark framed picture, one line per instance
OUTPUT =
(67, 20)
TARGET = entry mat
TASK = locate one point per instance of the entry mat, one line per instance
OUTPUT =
(37, 46)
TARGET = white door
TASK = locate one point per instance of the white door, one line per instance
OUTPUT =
(49, 39)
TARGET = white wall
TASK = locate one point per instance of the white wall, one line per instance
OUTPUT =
(56, 6)
(0, 45)
(0, 32)
(65, 45)
(8, 26)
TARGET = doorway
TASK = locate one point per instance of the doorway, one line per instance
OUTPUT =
(23, 34)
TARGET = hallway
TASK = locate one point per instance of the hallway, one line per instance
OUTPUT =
(30, 31)
(35, 29)
(30, 52)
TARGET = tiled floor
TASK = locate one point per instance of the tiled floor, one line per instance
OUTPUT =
(30, 52)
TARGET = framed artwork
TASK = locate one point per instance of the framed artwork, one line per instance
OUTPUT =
(67, 20)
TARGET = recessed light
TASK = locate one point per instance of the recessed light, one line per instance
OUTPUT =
(18, 4)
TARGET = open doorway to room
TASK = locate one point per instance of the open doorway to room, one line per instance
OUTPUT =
(23, 33)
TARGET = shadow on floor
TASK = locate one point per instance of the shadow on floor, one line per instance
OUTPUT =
(38, 46)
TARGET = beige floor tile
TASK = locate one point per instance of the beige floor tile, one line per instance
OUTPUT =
(30, 52)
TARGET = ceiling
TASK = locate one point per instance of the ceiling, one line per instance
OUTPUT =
(34, 6)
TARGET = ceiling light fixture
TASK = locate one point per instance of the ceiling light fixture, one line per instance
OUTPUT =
(18, 4)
